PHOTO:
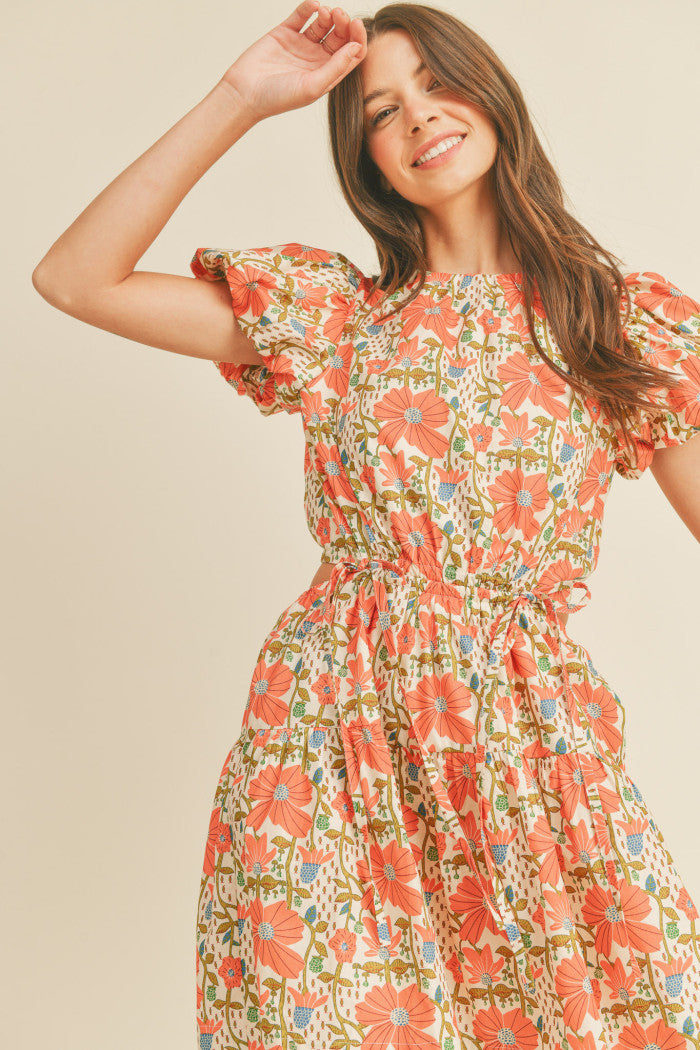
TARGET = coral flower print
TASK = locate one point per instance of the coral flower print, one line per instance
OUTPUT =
(331, 469)
(392, 868)
(603, 714)
(398, 1018)
(537, 385)
(362, 740)
(274, 929)
(431, 314)
(415, 418)
(659, 294)
(307, 295)
(545, 846)
(307, 253)
(439, 704)
(613, 923)
(684, 398)
(337, 373)
(482, 968)
(499, 1030)
(519, 498)
(471, 905)
(643, 1037)
(268, 689)
(578, 991)
(420, 540)
(425, 835)
(250, 290)
(218, 841)
(284, 792)
(231, 972)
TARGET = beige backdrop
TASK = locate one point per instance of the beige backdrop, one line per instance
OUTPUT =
(153, 520)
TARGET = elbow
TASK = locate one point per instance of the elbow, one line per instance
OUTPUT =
(41, 280)
(48, 288)
(38, 279)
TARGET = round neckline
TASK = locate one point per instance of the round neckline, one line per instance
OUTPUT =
(446, 275)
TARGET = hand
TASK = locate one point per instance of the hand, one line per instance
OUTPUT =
(286, 69)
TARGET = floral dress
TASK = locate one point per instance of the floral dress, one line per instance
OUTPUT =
(425, 835)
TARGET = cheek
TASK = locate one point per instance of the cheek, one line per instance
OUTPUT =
(383, 151)
(491, 147)
(483, 147)
(487, 136)
(376, 152)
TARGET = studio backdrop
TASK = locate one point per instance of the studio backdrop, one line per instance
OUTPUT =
(153, 522)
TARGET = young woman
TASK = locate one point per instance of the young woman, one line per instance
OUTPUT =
(425, 834)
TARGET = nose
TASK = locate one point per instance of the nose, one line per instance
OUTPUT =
(418, 122)
(420, 108)
(419, 113)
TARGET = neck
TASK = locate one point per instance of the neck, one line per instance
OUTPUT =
(466, 236)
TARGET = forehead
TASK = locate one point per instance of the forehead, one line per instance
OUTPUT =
(388, 55)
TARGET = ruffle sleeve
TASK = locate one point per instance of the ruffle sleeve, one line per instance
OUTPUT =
(293, 301)
(664, 326)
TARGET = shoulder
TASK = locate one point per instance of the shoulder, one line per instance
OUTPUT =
(288, 258)
(306, 260)
(663, 323)
(664, 329)
(291, 273)
(657, 299)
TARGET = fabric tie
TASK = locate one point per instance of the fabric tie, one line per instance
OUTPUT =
(360, 723)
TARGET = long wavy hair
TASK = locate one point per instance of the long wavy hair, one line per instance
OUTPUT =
(579, 282)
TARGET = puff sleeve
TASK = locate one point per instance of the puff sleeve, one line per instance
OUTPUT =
(664, 326)
(293, 301)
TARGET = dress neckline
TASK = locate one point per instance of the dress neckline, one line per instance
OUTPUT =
(489, 284)
(444, 275)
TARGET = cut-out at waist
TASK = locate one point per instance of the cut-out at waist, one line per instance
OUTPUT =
(323, 573)
(325, 570)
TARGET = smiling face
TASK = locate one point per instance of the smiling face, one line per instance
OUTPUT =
(411, 113)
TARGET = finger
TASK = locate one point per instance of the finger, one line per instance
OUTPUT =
(319, 27)
(358, 33)
(339, 31)
(338, 65)
(300, 15)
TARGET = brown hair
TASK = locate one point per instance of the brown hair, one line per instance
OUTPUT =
(580, 292)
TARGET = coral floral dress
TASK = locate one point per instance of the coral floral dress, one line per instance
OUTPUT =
(425, 835)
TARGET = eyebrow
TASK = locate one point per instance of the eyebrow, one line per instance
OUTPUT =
(383, 91)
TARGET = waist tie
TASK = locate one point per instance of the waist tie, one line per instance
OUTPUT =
(360, 724)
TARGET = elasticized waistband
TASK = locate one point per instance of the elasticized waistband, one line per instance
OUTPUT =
(466, 592)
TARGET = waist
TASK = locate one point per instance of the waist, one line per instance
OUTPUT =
(484, 584)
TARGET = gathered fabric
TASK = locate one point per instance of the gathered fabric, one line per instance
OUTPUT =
(426, 834)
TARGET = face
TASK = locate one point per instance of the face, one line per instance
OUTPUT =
(412, 111)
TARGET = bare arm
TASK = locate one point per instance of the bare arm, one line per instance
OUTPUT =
(677, 473)
(89, 271)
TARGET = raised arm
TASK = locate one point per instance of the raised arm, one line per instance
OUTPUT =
(89, 271)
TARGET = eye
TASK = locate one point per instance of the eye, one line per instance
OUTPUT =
(378, 116)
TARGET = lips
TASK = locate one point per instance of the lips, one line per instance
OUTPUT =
(431, 143)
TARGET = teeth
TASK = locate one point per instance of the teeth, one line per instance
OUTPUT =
(441, 147)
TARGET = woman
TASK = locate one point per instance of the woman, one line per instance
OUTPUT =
(425, 833)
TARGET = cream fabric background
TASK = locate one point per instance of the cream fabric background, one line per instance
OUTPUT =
(153, 521)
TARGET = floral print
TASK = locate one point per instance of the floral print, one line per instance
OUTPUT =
(425, 834)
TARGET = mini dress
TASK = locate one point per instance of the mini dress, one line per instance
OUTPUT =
(425, 835)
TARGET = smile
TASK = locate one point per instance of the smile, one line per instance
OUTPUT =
(446, 146)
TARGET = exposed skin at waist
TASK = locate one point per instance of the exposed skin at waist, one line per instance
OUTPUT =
(323, 573)
(325, 569)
